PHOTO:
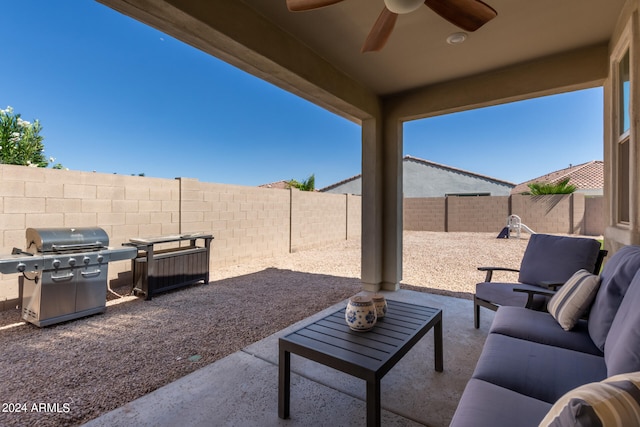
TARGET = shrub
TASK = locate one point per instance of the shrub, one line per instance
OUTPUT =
(541, 188)
(20, 141)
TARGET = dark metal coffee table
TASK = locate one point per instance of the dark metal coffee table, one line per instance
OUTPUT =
(366, 355)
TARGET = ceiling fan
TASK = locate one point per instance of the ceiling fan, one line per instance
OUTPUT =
(466, 14)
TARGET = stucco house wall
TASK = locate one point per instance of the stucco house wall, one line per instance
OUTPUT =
(422, 178)
(428, 179)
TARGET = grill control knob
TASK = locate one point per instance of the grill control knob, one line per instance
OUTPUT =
(56, 263)
(86, 260)
(21, 267)
(72, 262)
(100, 258)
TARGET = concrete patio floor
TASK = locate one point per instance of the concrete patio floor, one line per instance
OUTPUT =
(242, 389)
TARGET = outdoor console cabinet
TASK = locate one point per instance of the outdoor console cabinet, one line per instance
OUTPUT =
(160, 270)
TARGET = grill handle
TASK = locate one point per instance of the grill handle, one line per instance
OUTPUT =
(68, 276)
(77, 247)
(90, 273)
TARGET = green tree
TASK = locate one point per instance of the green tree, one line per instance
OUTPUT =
(307, 185)
(560, 187)
(21, 142)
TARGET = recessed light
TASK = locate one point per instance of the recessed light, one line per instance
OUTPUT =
(456, 38)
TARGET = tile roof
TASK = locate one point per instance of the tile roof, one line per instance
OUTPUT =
(589, 175)
(284, 185)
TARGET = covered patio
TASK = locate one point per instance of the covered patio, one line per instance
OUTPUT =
(530, 49)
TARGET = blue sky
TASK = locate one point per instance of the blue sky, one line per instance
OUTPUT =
(116, 96)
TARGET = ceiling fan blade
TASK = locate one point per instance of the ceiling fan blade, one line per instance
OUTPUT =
(302, 5)
(466, 14)
(380, 31)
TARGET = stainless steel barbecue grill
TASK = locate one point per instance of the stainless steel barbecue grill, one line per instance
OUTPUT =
(64, 272)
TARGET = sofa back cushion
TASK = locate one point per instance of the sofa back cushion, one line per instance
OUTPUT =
(554, 259)
(622, 347)
(614, 281)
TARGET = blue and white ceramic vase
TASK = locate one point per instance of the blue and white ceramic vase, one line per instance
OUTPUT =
(381, 305)
(360, 314)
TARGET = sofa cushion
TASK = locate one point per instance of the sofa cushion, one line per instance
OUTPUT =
(614, 281)
(554, 259)
(573, 299)
(614, 402)
(487, 405)
(537, 370)
(518, 322)
(622, 348)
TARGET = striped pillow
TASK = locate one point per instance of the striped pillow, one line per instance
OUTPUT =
(614, 402)
(573, 299)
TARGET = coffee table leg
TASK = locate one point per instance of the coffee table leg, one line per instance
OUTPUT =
(284, 383)
(437, 345)
(373, 404)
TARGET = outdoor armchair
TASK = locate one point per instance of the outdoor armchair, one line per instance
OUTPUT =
(548, 262)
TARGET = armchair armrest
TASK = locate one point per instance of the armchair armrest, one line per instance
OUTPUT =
(551, 285)
(490, 271)
(531, 291)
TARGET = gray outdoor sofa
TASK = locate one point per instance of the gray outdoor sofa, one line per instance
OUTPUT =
(529, 361)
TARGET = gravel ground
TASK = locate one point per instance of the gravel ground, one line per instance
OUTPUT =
(69, 373)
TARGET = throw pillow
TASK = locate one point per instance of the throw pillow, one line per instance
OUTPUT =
(573, 299)
(614, 402)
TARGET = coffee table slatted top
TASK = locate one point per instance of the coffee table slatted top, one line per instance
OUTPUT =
(367, 355)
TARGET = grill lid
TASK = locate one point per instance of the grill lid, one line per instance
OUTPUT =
(44, 240)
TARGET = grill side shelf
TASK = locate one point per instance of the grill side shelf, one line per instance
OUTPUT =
(10, 264)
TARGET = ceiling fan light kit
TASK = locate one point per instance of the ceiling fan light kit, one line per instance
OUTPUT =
(468, 15)
(403, 6)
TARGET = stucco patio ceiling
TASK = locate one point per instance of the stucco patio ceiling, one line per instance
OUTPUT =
(417, 53)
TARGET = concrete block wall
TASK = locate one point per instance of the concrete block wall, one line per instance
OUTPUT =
(246, 222)
(124, 206)
(594, 215)
(578, 214)
(354, 216)
(567, 214)
(317, 219)
(477, 214)
(425, 214)
(552, 213)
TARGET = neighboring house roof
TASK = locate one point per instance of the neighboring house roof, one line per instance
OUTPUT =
(338, 184)
(452, 169)
(283, 185)
(585, 176)
(426, 163)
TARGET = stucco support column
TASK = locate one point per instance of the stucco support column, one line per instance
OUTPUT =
(371, 252)
(381, 205)
(393, 205)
